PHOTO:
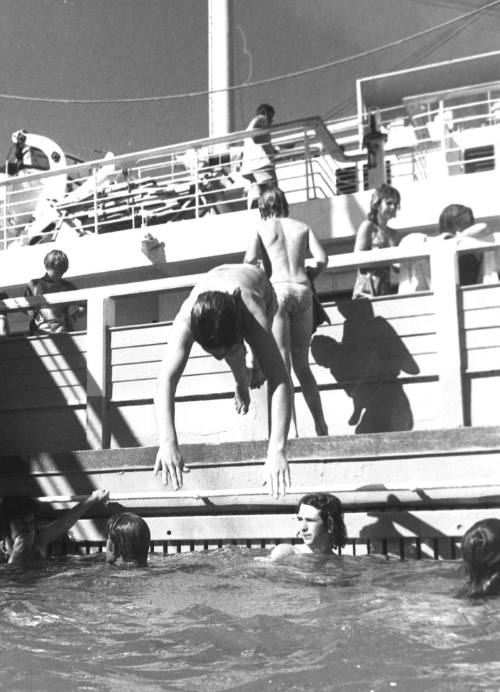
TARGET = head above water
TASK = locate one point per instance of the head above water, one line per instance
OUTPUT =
(384, 192)
(18, 519)
(455, 218)
(273, 203)
(330, 512)
(217, 320)
(128, 539)
(481, 556)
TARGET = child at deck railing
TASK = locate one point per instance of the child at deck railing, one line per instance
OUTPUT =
(54, 319)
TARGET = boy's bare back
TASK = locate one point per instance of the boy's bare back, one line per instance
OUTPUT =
(286, 242)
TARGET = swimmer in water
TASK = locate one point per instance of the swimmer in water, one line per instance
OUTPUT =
(22, 539)
(128, 540)
(322, 527)
(481, 557)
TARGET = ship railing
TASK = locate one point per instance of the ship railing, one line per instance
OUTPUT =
(455, 134)
(155, 186)
(102, 310)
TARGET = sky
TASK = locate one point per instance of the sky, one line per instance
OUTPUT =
(104, 49)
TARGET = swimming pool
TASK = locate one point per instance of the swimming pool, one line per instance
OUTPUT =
(225, 621)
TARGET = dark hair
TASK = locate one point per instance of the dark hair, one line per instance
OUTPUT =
(216, 319)
(481, 556)
(15, 506)
(56, 259)
(265, 109)
(272, 202)
(381, 193)
(330, 511)
(130, 537)
(454, 218)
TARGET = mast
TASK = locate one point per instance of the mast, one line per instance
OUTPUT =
(220, 120)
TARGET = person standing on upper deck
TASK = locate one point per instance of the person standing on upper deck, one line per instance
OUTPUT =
(258, 155)
(283, 244)
(375, 232)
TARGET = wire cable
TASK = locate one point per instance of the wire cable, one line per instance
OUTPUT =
(289, 75)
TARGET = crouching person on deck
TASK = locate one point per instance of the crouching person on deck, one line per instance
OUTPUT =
(22, 539)
(233, 303)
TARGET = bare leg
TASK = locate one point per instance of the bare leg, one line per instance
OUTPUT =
(237, 362)
(281, 333)
(300, 334)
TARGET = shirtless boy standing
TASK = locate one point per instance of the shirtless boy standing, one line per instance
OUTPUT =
(233, 303)
(283, 244)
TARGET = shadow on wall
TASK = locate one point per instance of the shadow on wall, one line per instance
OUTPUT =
(400, 524)
(367, 363)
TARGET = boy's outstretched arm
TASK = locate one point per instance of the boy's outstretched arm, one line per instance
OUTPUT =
(58, 528)
(169, 458)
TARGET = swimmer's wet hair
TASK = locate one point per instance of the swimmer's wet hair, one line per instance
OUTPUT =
(383, 192)
(217, 319)
(272, 202)
(330, 511)
(481, 556)
(14, 506)
(56, 259)
(18, 506)
(455, 218)
(130, 536)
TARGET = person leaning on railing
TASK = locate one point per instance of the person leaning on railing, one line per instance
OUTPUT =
(374, 233)
(257, 164)
(54, 319)
(456, 225)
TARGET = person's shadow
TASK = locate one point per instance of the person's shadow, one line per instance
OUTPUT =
(367, 363)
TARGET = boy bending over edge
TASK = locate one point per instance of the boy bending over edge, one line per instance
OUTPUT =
(233, 303)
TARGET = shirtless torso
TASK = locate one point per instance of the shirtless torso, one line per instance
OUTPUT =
(258, 303)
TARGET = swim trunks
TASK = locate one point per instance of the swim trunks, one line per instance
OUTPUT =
(292, 297)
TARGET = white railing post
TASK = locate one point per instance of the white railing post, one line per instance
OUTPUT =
(196, 183)
(94, 196)
(307, 158)
(100, 316)
(4, 215)
(444, 278)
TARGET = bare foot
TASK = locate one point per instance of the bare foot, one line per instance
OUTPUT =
(241, 399)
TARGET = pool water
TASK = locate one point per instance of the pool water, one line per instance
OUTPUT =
(226, 621)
